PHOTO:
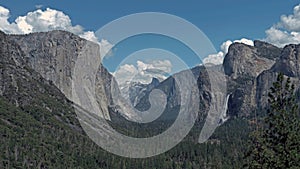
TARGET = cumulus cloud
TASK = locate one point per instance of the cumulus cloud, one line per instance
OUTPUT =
(217, 59)
(291, 22)
(125, 73)
(143, 72)
(245, 41)
(105, 48)
(286, 31)
(225, 46)
(105, 45)
(47, 20)
(38, 21)
(89, 35)
(4, 23)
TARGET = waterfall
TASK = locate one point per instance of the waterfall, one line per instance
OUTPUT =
(224, 116)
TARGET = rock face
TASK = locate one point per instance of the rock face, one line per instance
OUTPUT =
(134, 91)
(51, 57)
(172, 91)
(242, 65)
(168, 86)
(288, 63)
(19, 83)
(250, 72)
(247, 61)
(54, 54)
(137, 90)
(251, 92)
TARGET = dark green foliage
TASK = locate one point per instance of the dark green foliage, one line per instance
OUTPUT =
(39, 129)
(275, 144)
(33, 137)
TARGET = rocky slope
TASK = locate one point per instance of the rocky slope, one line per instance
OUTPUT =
(250, 83)
(288, 63)
(19, 83)
(250, 72)
(243, 64)
(54, 54)
(36, 119)
(39, 128)
(134, 91)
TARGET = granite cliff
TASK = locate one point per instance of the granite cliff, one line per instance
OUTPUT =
(249, 72)
(53, 55)
(39, 127)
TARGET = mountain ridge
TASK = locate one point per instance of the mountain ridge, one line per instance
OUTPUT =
(244, 67)
(40, 129)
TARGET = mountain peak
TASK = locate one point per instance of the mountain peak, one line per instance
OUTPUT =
(259, 43)
(267, 50)
(289, 61)
(245, 60)
(154, 81)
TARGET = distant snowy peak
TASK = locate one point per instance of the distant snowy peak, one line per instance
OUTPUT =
(133, 91)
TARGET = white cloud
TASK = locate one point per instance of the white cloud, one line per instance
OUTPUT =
(38, 21)
(225, 46)
(245, 41)
(4, 12)
(291, 22)
(217, 59)
(47, 20)
(125, 73)
(89, 35)
(281, 38)
(105, 48)
(4, 24)
(161, 65)
(143, 72)
(42, 21)
(286, 31)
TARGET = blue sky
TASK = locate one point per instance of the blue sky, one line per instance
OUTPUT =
(222, 21)
(218, 19)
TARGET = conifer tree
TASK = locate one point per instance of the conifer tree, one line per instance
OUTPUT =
(276, 145)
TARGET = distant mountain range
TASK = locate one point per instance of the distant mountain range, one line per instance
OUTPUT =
(36, 73)
(250, 71)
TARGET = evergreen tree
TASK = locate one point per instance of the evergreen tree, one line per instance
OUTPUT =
(276, 144)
